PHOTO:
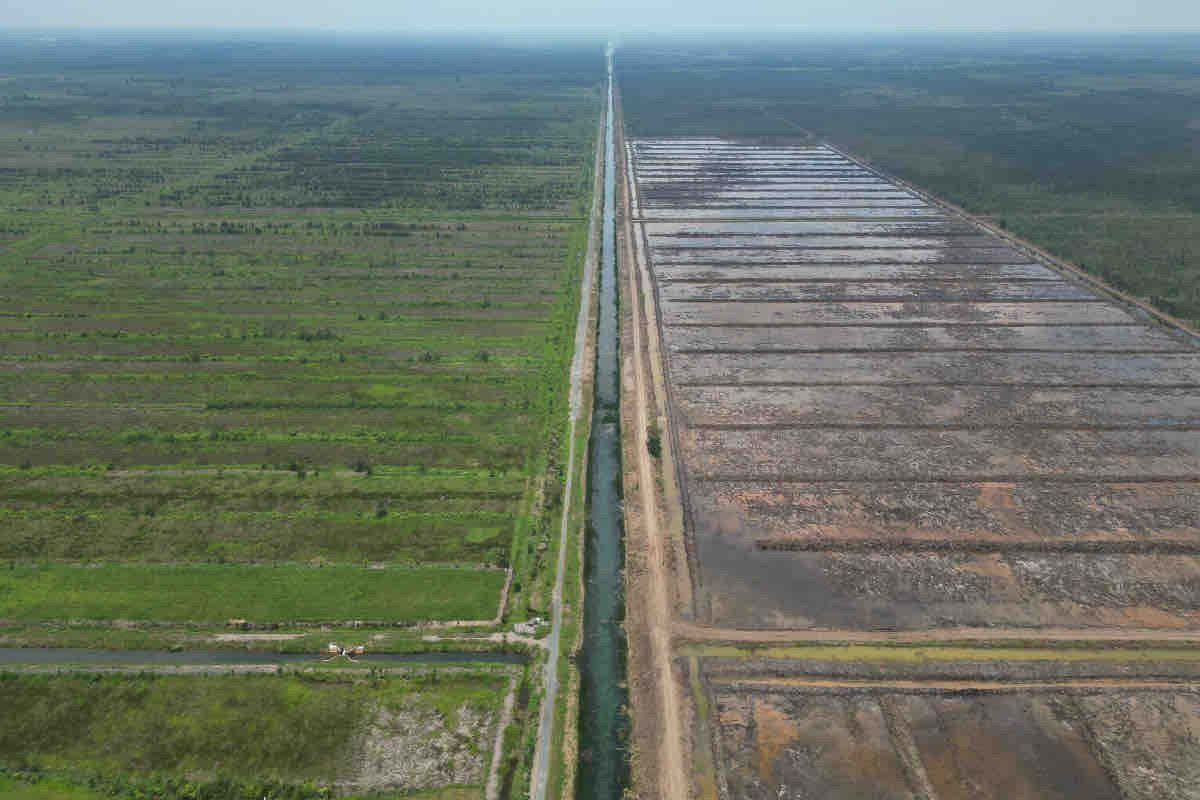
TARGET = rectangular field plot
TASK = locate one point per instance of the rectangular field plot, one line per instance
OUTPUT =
(915, 586)
(248, 515)
(991, 453)
(914, 314)
(1006, 515)
(849, 210)
(885, 422)
(806, 740)
(867, 254)
(937, 406)
(214, 593)
(253, 734)
(816, 746)
(780, 290)
(904, 338)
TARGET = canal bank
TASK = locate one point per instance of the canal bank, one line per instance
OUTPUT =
(603, 767)
(656, 564)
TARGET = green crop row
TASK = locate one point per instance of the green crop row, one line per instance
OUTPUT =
(211, 593)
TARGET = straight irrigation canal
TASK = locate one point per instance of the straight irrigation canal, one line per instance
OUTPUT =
(603, 770)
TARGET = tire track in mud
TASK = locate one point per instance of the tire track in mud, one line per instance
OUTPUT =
(492, 789)
(906, 748)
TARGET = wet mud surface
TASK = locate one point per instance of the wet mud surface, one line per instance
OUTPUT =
(889, 418)
(864, 743)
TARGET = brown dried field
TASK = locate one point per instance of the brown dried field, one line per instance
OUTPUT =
(885, 419)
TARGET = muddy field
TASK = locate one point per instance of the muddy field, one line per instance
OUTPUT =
(888, 417)
(975, 727)
(984, 722)
(892, 424)
(812, 741)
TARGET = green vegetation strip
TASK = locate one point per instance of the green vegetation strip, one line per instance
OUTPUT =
(215, 593)
(41, 787)
(925, 653)
(45, 789)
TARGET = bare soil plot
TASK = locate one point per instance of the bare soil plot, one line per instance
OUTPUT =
(895, 421)
(822, 739)
(895, 426)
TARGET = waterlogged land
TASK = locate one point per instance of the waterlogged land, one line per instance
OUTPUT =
(284, 344)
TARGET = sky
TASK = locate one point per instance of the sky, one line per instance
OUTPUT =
(617, 16)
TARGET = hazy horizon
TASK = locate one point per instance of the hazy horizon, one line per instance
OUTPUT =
(626, 17)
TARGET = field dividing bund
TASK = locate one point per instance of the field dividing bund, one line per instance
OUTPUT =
(894, 428)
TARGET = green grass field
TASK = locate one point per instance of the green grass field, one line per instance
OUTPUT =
(45, 789)
(285, 333)
(270, 315)
(41, 788)
(208, 593)
(242, 735)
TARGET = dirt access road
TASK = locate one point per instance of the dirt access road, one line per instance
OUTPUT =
(580, 366)
(661, 769)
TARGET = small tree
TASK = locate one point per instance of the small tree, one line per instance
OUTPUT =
(654, 441)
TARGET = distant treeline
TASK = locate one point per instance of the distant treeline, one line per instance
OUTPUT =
(1088, 146)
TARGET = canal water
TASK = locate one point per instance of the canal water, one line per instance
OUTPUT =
(603, 768)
